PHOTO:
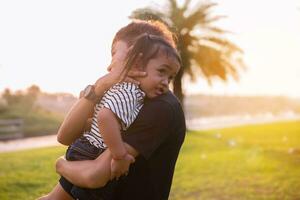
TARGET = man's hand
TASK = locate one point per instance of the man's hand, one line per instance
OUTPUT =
(121, 167)
(60, 164)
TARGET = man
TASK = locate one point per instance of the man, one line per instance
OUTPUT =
(155, 139)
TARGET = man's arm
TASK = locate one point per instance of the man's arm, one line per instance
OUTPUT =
(89, 173)
(76, 119)
(144, 136)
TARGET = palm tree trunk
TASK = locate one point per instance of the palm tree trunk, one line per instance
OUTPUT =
(178, 86)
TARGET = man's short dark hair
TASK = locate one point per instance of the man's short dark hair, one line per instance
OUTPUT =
(136, 28)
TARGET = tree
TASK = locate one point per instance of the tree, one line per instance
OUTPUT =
(10, 98)
(203, 48)
(25, 99)
(32, 93)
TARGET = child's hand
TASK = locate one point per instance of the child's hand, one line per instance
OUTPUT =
(121, 167)
(116, 67)
(115, 75)
(133, 74)
(118, 58)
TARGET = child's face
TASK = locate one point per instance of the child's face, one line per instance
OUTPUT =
(118, 52)
(160, 71)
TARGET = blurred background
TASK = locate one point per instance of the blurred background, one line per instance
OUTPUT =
(239, 86)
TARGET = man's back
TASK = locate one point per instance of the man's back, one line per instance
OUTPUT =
(157, 134)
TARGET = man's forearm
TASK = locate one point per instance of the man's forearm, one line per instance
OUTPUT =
(90, 173)
(75, 121)
(86, 173)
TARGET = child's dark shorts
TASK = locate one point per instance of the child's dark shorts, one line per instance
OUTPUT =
(81, 149)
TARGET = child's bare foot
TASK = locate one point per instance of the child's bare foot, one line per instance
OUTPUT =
(43, 198)
(58, 193)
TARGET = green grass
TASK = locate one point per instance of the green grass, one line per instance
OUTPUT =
(28, 174)
(249, 162)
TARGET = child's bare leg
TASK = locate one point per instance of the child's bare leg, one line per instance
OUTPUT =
(58, 193)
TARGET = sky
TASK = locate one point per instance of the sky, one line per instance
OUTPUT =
(63, 45)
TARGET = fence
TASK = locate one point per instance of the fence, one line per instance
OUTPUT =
(11, 128)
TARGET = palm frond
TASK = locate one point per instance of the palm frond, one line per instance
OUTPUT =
(217, 30)
(151, 14)
(186, 40)
(210, 20)
(211, 62)
(223, 43)
(173, 5)
(186, 5)
(198, 16)
(147, 14)
(230, 69)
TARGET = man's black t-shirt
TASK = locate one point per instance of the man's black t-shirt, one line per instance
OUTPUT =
(157, 134)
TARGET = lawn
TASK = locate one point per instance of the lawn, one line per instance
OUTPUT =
(25, 175)
(248, 162)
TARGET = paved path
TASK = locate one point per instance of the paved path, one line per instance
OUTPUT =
(220, 122)
(28, 143)
(198, 124)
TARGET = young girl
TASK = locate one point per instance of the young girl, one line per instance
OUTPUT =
(120, 105)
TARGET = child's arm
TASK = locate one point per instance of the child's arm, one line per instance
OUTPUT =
(110, 129)
(89, 173)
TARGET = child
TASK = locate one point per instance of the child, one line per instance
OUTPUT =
(120, 105)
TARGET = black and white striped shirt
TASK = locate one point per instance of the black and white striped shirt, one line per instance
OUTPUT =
(125, 100)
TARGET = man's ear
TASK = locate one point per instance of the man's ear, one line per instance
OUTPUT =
(139, 63)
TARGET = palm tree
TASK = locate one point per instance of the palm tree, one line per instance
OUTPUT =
(202, 46)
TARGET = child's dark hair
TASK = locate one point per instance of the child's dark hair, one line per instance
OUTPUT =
(147, 47)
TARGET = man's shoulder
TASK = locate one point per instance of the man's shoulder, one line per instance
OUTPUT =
(167, 106)
(168, 99)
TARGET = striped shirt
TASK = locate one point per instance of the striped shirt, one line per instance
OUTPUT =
(125, 100)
